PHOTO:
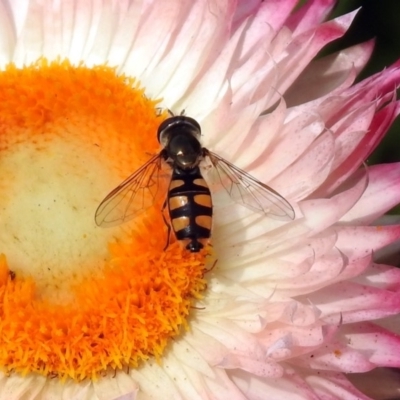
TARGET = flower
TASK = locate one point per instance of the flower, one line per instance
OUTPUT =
(290, 307)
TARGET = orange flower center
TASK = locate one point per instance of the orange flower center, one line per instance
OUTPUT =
(77, 300)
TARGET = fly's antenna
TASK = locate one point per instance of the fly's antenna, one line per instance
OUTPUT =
(160, 111)
(170, 112)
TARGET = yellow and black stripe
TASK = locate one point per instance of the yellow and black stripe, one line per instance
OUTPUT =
(190, 207)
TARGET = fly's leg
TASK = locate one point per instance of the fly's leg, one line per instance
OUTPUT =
(166, 223)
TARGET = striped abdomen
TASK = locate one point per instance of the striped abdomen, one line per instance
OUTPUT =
(190, 207)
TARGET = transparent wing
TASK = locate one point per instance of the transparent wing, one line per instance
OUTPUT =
(248, 191)
(134, 195)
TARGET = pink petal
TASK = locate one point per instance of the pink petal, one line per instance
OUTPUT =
(298, 385)
(379, 345)
(334, 105)
(244, 9)
(324, 75)
(277, 11)
(383, 192)
(381, 276)
(379, 126)
(376, 85)
(359, 348)
(81, 30)
(350, 131)
(106, 388)
(127, 27)
(352, 302)
(309, 15)
(324, 272)
(200, 38)
(304, 47)
(221, 387)
(357, 242)
(285, 387)
(259, 138)
(307, 172)
(19, 11)
(322, 213)
(285, 340)
(331, 385)
(150, 44)
(228, 334)
(338, 356)
(7, 35)
(293, 140)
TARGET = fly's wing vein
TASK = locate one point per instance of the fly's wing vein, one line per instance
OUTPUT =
(133, 196)
(246, 190)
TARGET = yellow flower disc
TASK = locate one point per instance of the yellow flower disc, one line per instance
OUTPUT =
(77, 300)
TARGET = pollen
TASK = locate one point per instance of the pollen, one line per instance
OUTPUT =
(76, 300)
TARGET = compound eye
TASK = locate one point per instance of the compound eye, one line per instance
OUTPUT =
(163, 130)
(195, 129)
(193, 125)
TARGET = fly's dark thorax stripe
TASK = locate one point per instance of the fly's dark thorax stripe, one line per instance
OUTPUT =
(190, 205)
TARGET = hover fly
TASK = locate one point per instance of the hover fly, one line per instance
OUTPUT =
(188, 198)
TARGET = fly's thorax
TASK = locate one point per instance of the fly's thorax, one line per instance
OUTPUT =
(184, 150)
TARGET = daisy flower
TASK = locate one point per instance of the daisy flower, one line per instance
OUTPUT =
(271, 308)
